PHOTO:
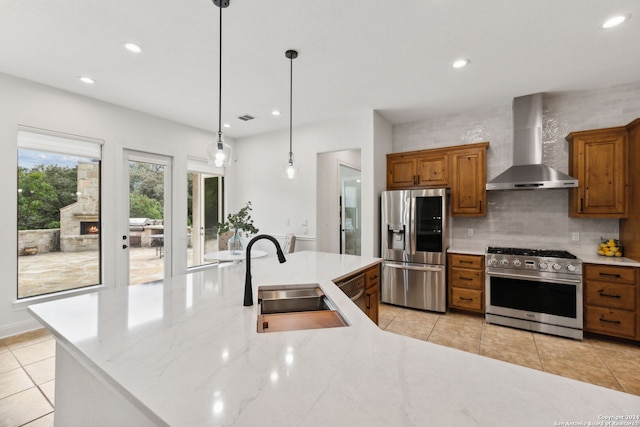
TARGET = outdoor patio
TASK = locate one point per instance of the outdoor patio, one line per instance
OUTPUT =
(58, 271)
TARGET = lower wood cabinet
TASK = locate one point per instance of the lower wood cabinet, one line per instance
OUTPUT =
(466, 282)
(372, 292)
(611, 305)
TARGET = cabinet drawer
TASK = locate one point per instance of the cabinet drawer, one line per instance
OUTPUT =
(611, 295)
(611, 274)
(610, 321)
(464, 278)
(467, 299)
(467, 261)
(373, 275)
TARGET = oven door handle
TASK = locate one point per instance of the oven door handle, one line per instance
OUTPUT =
(535, 279)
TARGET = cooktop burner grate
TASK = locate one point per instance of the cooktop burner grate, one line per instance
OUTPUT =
(543, 253)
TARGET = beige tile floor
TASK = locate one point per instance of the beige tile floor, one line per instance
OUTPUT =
(27, 376)
(598, 360)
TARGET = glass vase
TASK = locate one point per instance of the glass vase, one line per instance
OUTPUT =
(235, 244)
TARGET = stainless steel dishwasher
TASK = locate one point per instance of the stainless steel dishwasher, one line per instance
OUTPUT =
(354, 289)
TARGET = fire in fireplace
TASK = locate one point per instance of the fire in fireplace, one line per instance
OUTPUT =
(89, 227)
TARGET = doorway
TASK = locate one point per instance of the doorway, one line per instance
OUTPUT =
(204, 214)
(350, 209)
(147, 239)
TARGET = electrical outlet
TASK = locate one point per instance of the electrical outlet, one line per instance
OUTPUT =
(575, 236)
(469, 232)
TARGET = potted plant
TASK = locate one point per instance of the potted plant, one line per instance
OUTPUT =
(235, 222)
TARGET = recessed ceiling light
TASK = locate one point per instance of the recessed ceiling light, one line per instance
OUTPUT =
(460, 63)
(132, 47)
(615, 21)
(87, 80)
(275, 112)
(227, 125)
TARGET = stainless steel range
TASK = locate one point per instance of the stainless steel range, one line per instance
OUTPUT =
(535, 289)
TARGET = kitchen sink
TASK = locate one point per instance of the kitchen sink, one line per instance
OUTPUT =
(296, 307)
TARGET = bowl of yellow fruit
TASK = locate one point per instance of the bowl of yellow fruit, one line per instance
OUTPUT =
(610, 247)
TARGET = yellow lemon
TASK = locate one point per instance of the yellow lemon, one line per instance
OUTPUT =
(618, 253)
(600, 252)
(609, 253)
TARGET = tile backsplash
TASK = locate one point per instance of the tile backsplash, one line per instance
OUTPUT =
(535, 218)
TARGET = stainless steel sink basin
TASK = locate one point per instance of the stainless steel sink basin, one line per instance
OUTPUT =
(291, 299)
(295, 307)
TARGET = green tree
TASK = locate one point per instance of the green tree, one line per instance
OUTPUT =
(147, 179)
(35, 198)
(142, 206)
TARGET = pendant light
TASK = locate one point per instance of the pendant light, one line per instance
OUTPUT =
(219, 153)
(291, 171)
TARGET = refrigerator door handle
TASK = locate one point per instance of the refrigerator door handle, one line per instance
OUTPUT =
(414, 267)
(412, 225)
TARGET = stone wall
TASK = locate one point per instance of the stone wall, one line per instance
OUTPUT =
(86, 209)
(45, 240)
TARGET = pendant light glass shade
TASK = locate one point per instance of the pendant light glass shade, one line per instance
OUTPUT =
(291, 171)
(219, 153)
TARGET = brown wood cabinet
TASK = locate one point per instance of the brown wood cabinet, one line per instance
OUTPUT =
(598, 159)
(462, 168)
(372, 292)
(466, 282)
(468, 181)
(611, 304)
(417, 170)
(630, 227)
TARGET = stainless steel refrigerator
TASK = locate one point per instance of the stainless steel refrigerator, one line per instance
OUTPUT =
(415, 238)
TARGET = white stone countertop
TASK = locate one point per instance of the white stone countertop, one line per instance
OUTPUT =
(187, 352)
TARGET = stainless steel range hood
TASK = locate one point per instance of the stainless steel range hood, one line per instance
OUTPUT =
(528, 172)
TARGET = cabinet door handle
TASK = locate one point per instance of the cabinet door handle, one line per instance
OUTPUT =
(615, 322)
(418, 179)
(600, 292)
(480, 203)
(617, 276)
(581, 204)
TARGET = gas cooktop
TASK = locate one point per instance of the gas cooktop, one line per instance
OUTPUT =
(543, 253)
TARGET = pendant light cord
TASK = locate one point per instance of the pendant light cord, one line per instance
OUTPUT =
(291, 111)
(220, 80)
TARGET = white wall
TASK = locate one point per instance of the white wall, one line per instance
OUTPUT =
(537, 218)
(257, 177)
(25, 103)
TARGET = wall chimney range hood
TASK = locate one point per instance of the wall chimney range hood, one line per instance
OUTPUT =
(528, 172)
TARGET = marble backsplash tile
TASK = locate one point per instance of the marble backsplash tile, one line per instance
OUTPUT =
(537, 218)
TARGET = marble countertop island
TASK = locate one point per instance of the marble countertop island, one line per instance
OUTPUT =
(185, 352)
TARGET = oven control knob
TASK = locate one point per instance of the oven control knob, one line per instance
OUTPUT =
(557, 267)
(493, 262)
(543, 265)
(517, 263)
(571, 267)
(504, 262)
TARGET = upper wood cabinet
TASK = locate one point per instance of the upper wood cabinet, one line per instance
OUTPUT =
(598, 159)
(468, 181)
(630, 226)
(463, 168)
(413, 170)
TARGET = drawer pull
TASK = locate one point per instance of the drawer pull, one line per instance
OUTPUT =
(608, 295)
(617, 276)
(466, 278)
(466, 299)
(616, 322)
(462, 261)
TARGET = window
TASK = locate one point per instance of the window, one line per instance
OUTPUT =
(59, 245)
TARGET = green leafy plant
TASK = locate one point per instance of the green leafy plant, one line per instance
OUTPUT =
(239, 221)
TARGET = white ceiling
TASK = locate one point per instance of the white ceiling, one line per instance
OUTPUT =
(393, 56)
